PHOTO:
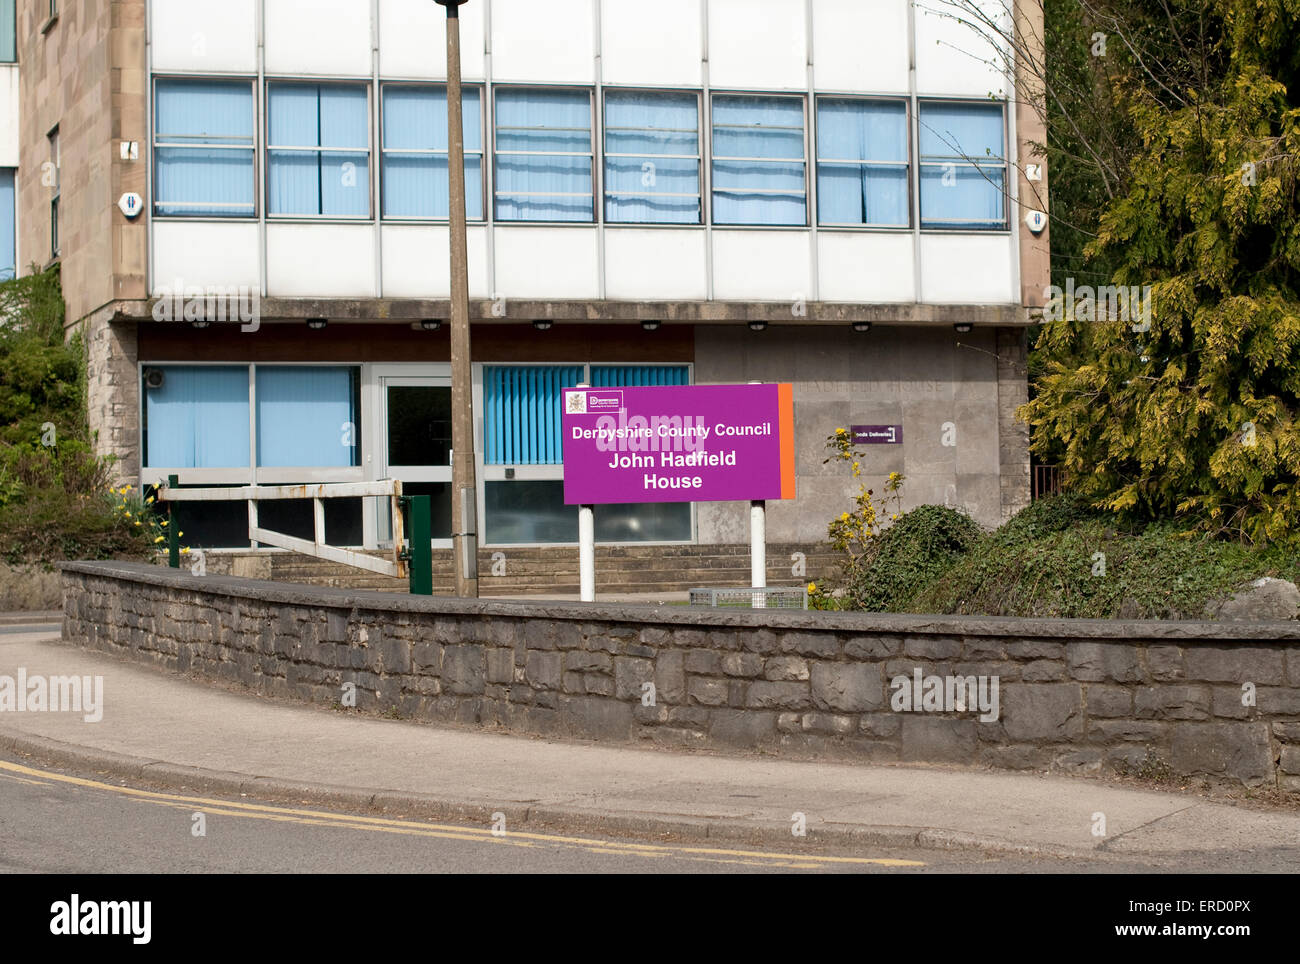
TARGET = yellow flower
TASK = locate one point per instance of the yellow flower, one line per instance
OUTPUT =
(128, 515)
(844, 517)
(159, 539)
(812, 587)
(163, 522)
(149, 501)
(137, 521)
(179, 534)
(185, 550)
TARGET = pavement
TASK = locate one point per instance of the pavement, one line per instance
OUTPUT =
(161, 728)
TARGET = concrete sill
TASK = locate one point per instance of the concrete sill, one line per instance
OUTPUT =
(49, 24)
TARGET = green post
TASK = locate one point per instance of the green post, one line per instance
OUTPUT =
(173, 540)
(421, 535)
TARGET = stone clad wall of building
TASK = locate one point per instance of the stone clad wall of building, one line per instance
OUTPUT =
(1219, 701)
(945, 389)
(1013, 434)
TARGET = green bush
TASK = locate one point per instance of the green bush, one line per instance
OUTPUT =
(917, 549)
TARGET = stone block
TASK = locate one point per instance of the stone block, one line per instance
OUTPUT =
(932, 647)
(581, 661)
(630, 672)
(848, 687)
(1236, 751)
(742, 728)
(1172, 703)
(500, 665)
(1043, 671)
(937, 739)
(880, 725)
(810, 644)
(873, 647)
(1042, 712)
(1109, 701)
(709, 692)
(1260, 665)
(543, 670)
(1096, 661)
(670, 677)
(785, 668)
(1165, 663)
(1029, 649)
(832, 723)
(792, 695)
(463, 669)
(742, 664)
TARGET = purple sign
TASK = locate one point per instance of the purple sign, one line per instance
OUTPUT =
(877, 434)
(680, 443)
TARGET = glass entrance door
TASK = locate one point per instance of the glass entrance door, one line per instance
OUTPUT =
(415, 445)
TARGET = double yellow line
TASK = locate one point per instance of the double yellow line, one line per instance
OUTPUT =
(513, 838)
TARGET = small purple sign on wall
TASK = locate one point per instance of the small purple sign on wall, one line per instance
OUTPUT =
(877, 434)
(678, 443)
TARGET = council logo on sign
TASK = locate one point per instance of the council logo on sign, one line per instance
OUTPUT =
(575, 403)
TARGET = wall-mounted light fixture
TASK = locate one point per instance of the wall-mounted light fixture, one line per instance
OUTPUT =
(542, 324)
(650, 324)
(757, 325)
(962, 327)
(200, 323)
(316, 324)
(431, 324)
(862, 327)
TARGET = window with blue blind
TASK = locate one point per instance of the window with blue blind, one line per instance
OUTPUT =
(521, 413)
(652, 157)
(414, 152)
(638, 376)
(963, 167)
(203, 148)
(197, 418)
(8, 225)
(758, 160)
(8, 32)
(862, 170)
(318, 150)
(543, 155)
(307, 415)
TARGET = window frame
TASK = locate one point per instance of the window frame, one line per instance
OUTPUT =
(14, 12)
(909, 165)
(593, 153)
(255, 147)
(700, 158)
(1003, 162)
(52, 140)
(802, 97)
(267, 147)
(482, 152)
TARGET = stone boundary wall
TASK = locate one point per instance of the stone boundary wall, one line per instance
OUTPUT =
(1215, 700)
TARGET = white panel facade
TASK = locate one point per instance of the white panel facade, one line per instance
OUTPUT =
(758, 43)
(961, 269)
(9, 115)
(320, 260)
(866, 267)
(860, 45)
(644, 45)
(413, 40)
(417, 262)
(318, 37)
(185, 36)
(957, 59)
(647, 264)
(552, 42)
(540, 262)
(199, 253)
(762, 266)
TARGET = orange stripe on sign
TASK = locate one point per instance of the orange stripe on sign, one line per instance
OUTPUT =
(785, 406)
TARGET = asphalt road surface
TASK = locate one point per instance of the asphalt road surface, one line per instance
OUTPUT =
(56, 821)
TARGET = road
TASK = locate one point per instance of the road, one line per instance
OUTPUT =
(54, 821)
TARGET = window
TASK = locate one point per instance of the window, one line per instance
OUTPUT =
(652, 157)
(543, 155)
(963, 168)
(414, 152)
(203, 148)
(196, 417)
(521, 422)
(53, 177)
(8, 254)
(758, 160)
(308, 416)
(862, 174)
(318, 150)
(8, 32)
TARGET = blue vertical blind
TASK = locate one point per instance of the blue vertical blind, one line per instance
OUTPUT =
(414, 157)
(758, 160)
(638, 376)
(203, 148)
(8, 32)
(861, 162)
(306, 416)
(318, 151)
(543, 155)
(521, 420)
(198, 418)
(652, 157)
(963, 170)
(8, 224)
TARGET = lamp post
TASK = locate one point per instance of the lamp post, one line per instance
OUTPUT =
(464, 504)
